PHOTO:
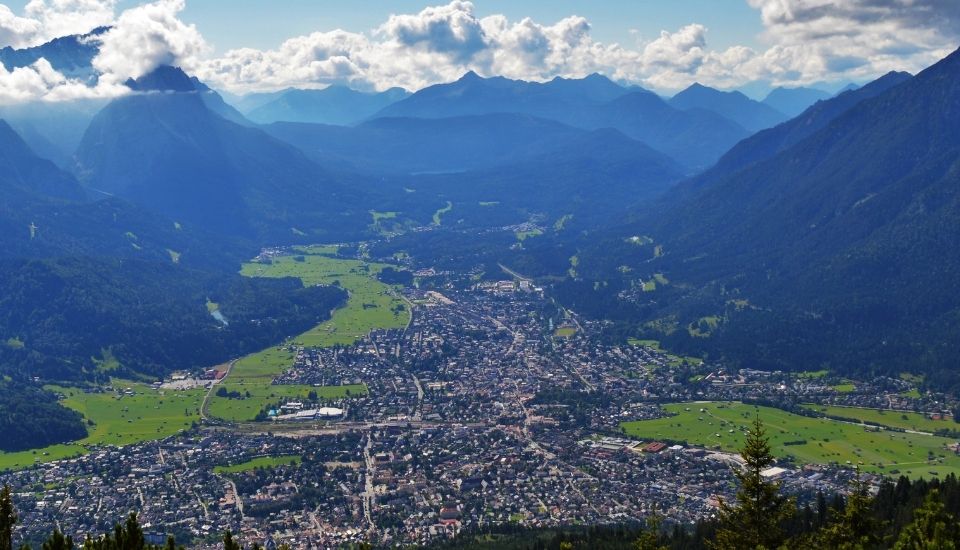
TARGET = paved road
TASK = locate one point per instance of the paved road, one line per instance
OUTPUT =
(368, 493)
(206, 398)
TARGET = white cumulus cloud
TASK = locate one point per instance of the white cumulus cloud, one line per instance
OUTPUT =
(804, 41)
(145, 37)
(44, 20)
(41, 82)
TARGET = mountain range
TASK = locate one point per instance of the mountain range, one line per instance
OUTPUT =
(86, 281)
(335, 104)
(839, 230)
(71, 55)
(167, 149)
(793, 101)
(763, 233)
(694, 138)
(750, 114)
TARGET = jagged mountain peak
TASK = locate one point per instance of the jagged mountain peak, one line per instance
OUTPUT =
(164, 78)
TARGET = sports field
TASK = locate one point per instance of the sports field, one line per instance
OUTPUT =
(119, 419)
(721, 425)
(371, 305)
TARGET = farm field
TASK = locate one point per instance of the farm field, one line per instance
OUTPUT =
(721, 426)
(118, 419)
(371, 305)
(893, 419)
(259, 462)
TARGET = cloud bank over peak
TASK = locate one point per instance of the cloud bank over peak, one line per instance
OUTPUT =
(148, 36)
(44, 20)
(804, 41)
(138, 40)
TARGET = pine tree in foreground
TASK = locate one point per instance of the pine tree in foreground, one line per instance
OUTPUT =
(857, 527)
(649, 539)
(757, 520)
(8, 518)
(933, 528)
(58, 541)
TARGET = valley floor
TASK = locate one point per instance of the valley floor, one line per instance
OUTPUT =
(454, 404)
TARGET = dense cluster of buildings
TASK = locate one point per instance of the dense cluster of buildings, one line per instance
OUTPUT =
(492, 407)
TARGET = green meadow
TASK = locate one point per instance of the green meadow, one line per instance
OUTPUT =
(894, 419)
(371, 305)
(438, 215)
(118, 419)
(259, 462)
(524, 235)
(722, 426)
(673, 360)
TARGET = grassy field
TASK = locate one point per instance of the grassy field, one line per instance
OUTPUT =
(382, 221)
(812, 374)
(14, 343)
(655, 344)
(118, 419)
(371, 305)
(259, 462)
(524, 235)
(377, 216)
(149, 414)
(565, 332)
(709, 323)
(674, 360)
(438, 215)
(893, 419)
(807, 440)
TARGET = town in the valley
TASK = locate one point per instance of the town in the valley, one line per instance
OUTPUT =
(493, 407)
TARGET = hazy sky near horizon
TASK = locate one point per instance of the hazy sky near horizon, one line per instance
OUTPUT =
(247, 45)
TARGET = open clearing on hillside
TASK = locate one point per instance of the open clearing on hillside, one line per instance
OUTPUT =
(371, 305)
(673, 360)
(524, 235)
(259, 462)
(118, 419)
(721, 425)
(893, 419)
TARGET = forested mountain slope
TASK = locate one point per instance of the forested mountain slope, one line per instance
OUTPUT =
(847, 238)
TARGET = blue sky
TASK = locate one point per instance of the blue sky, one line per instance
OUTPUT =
(263, 24)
